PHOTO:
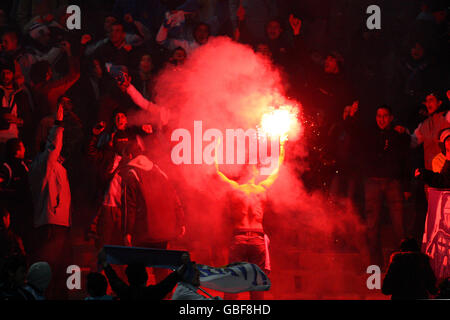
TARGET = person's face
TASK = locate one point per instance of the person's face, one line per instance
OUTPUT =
(9, 42)
(417, 51)
(97, 69)
(7, 77)
(6, 219)
(44, 38)
(447, 146)
(439, 16)
(3, 18)
(432, 103)
(331, 65)
(179, 56)
(273, 30)
(117, 35)
(146, 64)
(49, 74)
(20, 276)
(121, 121)
(20, 153)
(264, 50)
(384, 118)
(201, 34)
(66, 104)
(107, 26)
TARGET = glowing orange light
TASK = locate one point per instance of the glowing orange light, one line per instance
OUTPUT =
(278, 122)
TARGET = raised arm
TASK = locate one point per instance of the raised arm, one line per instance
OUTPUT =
(223, 177)
(55, 140)
(161, 37)
(274, 175)
(417, 137)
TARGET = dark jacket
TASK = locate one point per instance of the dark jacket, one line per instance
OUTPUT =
(387, 155)
(46, 93)
(409, 276)
(153, 209)
(108, 53)
(344, 145)
(15, 193)
(437, 180)
(133, 292)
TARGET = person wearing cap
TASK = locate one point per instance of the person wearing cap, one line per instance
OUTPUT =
(428, 131)
(39, 276)
(438, 179)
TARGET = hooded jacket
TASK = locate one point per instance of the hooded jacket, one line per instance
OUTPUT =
(153, 209)
(49, 184)
(428, 133)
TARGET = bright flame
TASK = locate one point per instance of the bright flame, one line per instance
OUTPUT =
(278, 122)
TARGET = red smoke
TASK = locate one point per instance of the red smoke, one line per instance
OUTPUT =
(227, 86)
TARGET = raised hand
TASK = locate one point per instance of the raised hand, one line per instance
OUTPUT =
(417, 173)
(296, 24)
(240, 13)
(99, 128)
(85, 38)
(60, 113)
(128, 18)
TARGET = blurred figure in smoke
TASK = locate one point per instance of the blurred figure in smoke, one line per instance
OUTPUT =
(153, 212)
(264, 50)
(244, 216)
(345, 144)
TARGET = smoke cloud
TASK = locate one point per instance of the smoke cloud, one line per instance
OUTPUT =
(227, 86)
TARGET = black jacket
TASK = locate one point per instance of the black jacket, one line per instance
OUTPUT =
(437, 180)
(153, 209)
(386, 155)
(409, 276)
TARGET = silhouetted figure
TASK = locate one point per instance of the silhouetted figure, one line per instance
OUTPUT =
(96, 287)
(12, 279)
(137, 278)
(10, 242)
(444, 289)
(409, 275)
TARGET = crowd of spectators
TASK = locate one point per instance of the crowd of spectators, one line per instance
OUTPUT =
(369, 97)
